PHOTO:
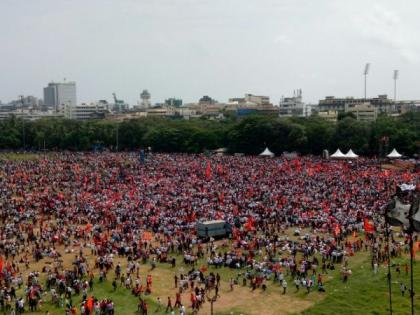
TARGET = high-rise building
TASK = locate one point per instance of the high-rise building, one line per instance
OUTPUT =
(57, 95)
(174, 102)
(206, 100)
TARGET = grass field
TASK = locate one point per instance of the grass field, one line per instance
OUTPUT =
(364, 293)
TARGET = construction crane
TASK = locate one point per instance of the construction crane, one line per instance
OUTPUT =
(119, 105)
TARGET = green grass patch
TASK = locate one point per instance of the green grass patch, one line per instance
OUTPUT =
(365, 292)
(11, 156)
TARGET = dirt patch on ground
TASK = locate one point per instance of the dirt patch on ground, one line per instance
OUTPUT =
(258, 302)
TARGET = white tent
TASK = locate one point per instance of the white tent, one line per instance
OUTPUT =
(267, 152)
(351, 155)
(394, 154)
(338, 155)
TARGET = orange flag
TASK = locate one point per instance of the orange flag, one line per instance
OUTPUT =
(208, 171)
(89, 304)
(369, 228)
(337, 230)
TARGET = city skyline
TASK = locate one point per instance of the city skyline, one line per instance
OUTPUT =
(223, 49)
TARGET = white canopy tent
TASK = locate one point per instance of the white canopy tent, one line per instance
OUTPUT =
(394, 154)
(351, 155)
(267, 152)
(338, 155)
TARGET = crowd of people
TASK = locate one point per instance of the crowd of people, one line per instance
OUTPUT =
(145, 212)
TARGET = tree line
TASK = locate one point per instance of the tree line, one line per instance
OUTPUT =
(249, 135)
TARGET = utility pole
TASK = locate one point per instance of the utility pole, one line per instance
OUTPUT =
(365, 73)
(23, 122)
(211, 297)
(117, 136)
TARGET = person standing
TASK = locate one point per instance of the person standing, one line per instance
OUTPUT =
(375, 268)
(178, 300)
(159, 304)
(169, 305)
(403, 288)
(398, 269)
(217, 279)
(297, 284)
(284, 285)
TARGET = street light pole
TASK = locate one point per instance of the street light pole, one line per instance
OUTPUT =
(395, 84)
(211, 298)
(117, 137)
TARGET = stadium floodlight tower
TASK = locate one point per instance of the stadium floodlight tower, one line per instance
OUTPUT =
(395, 84)
(365, 73)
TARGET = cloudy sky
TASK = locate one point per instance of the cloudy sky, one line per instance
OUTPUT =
(221, 48)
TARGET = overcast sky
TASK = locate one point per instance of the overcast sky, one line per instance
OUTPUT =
(221, 48)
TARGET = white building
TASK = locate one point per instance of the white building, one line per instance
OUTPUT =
(59, 94)
(294, 106)
(364, 112)
(250, 100)
(84, 111)
(29, 114)
(258, 99)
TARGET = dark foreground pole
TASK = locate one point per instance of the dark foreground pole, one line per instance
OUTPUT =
(411, 273)
(389, 269)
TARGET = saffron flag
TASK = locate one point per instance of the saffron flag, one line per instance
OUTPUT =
(369, 228)
(219, 169)
(147, 236)
(89, 304)
(337, 230)
(88, 227)
(208, 171)
(407, 177)
(249, 226)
